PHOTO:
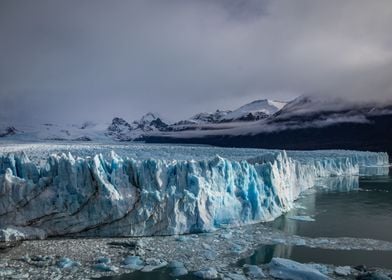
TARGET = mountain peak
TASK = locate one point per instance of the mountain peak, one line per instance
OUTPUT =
(255, 110)
(149, 117)
(7, 131)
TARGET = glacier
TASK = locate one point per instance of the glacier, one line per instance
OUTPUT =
(70, 193)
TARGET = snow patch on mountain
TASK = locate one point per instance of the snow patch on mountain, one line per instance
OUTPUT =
(255, 110)
(7, 131)
(207, 117)
(87, 131)
(121, 130)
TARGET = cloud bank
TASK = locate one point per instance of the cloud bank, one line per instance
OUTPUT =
(71, 61)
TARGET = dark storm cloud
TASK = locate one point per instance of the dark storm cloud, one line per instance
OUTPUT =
(76, 60)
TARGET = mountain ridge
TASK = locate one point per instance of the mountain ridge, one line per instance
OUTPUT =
(262, 123)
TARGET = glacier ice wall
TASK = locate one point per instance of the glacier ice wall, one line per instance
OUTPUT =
(119, 196)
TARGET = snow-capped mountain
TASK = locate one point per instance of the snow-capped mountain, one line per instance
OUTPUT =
(121, 130)
(317, 111)
(86, 131)
(256, 110)
(215, 117)
(7, 131)
(306, 122)
(150, 122)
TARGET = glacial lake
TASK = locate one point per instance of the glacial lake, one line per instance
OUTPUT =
(363, 211)
(357, 208)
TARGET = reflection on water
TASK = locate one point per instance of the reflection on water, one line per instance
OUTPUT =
(344, 207)
(303, 254)
(374, 170)
(338, 184)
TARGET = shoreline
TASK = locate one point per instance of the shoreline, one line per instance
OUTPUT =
(220, 250)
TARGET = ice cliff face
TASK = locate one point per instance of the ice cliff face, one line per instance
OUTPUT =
(116, 196)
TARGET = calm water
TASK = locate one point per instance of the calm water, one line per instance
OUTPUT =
(363, 211)
(347, 208)
(264, 254)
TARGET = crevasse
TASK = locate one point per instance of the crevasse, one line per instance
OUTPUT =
(116, 196)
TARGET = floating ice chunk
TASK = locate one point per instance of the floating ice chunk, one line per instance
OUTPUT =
(177, 269)
(153, 263)
(207, 273)
(342, 270)
(67, 263)
(13, 233)
(236, 248)
(133, 262)
(105, 260)
(253, 271)
(299, 242)
(227, 235)
(291, 270)
(320, 267)
(105, 267)
(235, 276)
(299, 206)
(302, 218)
(7, 272)
(181, 238)
(103, 264)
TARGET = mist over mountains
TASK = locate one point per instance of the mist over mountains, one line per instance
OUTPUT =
(307, 122)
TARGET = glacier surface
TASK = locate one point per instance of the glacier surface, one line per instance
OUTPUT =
(78, 191)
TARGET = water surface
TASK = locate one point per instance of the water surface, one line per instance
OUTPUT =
(360, 209)
(303, 254)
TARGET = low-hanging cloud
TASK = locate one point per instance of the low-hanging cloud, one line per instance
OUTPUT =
(71, 61)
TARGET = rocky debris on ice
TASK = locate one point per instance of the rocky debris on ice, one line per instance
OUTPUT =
(207, 273)
(43, 256)
(209, 255)
(291, 270)
(39, 260)
(236, 248)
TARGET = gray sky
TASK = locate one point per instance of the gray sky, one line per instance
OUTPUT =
(77, 60)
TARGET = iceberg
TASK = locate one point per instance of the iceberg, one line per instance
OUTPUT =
(113, 195)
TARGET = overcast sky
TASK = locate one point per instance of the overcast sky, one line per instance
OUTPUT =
(77, 60)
